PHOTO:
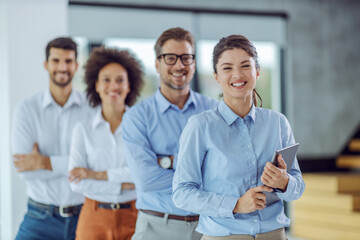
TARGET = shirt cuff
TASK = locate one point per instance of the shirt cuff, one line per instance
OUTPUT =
(289, 189)
(111, 176)
(175, 160)
(227, 206)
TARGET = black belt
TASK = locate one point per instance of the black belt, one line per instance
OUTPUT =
(193, 218)
(63, 211)
(114, 206)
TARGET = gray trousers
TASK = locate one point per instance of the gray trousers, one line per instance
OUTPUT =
(149, 227)
(278, 234)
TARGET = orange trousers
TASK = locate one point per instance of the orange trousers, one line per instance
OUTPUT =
(105, 224)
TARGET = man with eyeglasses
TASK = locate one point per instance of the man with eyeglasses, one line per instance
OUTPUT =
(151, 131)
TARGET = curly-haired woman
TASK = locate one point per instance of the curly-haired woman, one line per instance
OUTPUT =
(98, 168)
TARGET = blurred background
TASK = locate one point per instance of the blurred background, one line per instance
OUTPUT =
(309, 57)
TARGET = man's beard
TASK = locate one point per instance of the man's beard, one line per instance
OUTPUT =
(61, 84)
(176, 87)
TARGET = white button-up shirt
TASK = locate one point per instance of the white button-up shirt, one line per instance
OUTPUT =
(94, 146)
(40, 119)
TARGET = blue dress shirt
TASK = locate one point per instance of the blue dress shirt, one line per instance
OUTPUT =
(151, 129)
(221, 156)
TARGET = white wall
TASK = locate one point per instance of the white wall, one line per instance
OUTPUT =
(25, 29)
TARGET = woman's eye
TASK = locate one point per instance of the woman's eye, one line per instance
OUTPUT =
(120, 80)
(226, 68)
(246, 66)
(106, 80)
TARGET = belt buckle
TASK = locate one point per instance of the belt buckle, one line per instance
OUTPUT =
(115, 206)
(189, 218)
(64, 214)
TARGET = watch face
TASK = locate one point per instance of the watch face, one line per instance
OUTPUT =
(165, 162)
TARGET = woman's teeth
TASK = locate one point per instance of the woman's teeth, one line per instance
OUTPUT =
(238, 84)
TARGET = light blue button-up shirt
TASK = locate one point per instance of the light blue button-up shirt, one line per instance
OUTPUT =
(151, 129)
(221, 156)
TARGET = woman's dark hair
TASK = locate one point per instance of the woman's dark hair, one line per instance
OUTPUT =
(237, 41)
(102, 56)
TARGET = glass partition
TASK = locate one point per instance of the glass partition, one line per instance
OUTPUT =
(268, 84)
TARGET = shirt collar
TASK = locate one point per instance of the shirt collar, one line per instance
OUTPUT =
(230, 117)
(252, 113)
(98, 118)
(48, 99)
(164, 104)
(74, 98)
(191, 100)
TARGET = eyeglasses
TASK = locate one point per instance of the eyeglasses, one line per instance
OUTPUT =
(171, 58)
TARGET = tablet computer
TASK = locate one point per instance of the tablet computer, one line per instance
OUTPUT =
(288, 154)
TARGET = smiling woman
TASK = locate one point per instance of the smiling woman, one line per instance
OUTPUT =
(97, 165)
(99, 62)
(237, 72)
(269, 87)
(113, 84)
(207, 155)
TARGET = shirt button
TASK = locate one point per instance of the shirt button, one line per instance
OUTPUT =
(255, 220)
(253, 162)
(249, 146)
(253, 182)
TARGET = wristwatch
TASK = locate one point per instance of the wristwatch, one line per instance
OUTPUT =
(166, 162)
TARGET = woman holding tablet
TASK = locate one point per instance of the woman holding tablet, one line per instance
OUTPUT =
(224, 158)
(98, 168)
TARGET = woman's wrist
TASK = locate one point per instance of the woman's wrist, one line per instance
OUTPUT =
(101, 175)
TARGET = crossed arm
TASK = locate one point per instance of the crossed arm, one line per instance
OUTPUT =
(27, 157)
(32, 161)
(142, 159)
(79, 173)
(83, 179)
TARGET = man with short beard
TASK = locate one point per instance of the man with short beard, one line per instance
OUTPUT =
(42, 128)
(151, 132)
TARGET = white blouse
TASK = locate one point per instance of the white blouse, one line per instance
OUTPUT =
(94, 146)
